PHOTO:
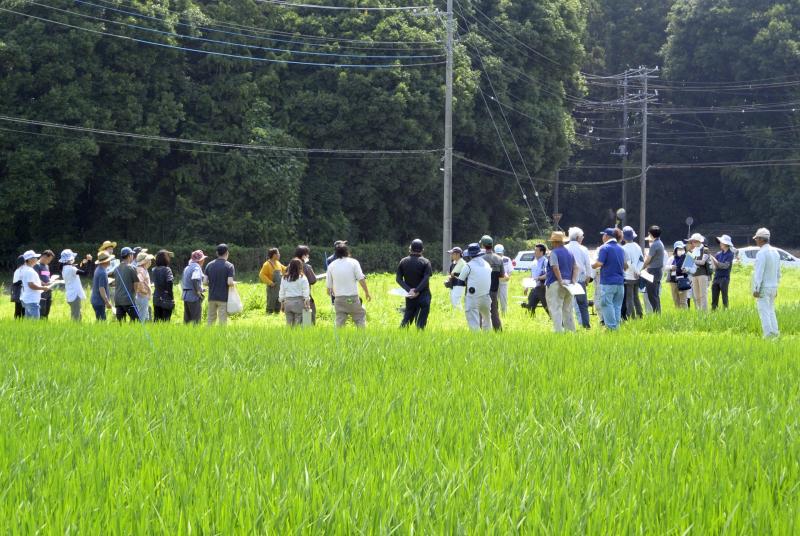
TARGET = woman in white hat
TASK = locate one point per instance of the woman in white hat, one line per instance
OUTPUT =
(722, 262)
(144, 291)
(72, 283)
(700, 278)
(679, 283)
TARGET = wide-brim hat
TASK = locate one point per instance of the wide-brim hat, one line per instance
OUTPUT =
(143, 257)
(67, 256)
(725, 239)
(697, 237)
(198, 255)
(628, 233)
(558, 236)
(107, 244)
(762, 233)
(104, 257)
(30, 254)
(474, 250)
(679, 245)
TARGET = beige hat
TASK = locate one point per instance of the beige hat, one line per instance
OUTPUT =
(697, 237)
(762, 233)
(104, 257)
(143, 257)
(558, 237)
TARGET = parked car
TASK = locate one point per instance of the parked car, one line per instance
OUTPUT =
(523, 262)
(747, 256)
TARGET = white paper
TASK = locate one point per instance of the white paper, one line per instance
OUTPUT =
(528, 282)
(647, 276)
(399, 292)
(575, 289)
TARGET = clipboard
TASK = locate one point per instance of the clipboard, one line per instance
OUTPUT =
(647, 276)
(575, 289)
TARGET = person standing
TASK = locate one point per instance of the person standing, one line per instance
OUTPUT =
(101, 294)
(32, 286)
(304, 254)
(295, 293)
(271, 274)
(43, 269)
(495, 262)
(192, 289)
(766, 278)
(635, 260)
(477, 277)
(700, 278)
(163, 281)
(16, 288)
(562, 271)
(680, 284)
(455, 285)
(220, 273)
(505, 278)
(413, 275)
(581, 254)
(344, 277)
(144, 290)
(612, 265)
(126, 279)
(538, 294)
(73, 288)
(108, 246)
(654, 264)
(722, 261)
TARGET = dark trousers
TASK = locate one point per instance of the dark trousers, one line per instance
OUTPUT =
(720, 286)
(19, 310)
(633, 307)
(127, 310)
(654, 293)
(417, 311)
(497, 325)
(583, 308)
(537, 297)
(192, 312)
(99, 311)
(162, 314)
(44, 307)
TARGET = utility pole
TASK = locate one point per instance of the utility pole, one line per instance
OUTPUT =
(624, 146)
(555, 197)
(447, 217)
(645, 74)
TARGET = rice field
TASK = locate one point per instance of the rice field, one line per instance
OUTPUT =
(683, 424)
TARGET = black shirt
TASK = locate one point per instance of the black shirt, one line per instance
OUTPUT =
(218, 271)
(414, 272)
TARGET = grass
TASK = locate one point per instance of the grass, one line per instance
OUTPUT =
(683, 424)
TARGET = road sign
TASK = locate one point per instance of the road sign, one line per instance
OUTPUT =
(557, 218)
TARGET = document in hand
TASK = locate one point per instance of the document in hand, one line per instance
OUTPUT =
(647, 276)
(575, 289)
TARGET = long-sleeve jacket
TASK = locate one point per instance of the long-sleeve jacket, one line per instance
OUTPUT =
(267, 273)
(767, 272)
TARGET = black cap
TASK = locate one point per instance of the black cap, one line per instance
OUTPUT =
(416, 245)
(222, 249)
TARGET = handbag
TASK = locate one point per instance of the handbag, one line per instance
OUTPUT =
(684, 283)
(234, 305)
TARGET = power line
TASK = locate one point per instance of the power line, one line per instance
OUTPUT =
(281, 3)
(550, 181)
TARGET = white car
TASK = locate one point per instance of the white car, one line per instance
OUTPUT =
(747, 256)
(523, 262)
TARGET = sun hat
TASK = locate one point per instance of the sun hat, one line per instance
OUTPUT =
(198, 255)
(678, 245)
(725, 239)
(558, 236)
(575, 233)
(104, 257)
(456, 250)
(339, 243)
(107, 244)
(609, 231)
(30, 254)
(628, 233)
(500, 249)
(126, 252)
(486, 241)
(697, 237)
(67, 256)
(474, 250)
(139, 249)
(416, 245)
(143, 257)
(762, 233)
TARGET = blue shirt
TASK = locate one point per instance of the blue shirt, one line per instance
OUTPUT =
(539, 269)
(563, 259)
(613, 258)
(724, 257)
(100, 280)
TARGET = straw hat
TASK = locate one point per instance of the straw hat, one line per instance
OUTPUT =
(107, 244)
(104, 257)
(143, 257)
(558, 237)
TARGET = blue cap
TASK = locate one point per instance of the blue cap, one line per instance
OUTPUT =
(609, 231)
(125, 252)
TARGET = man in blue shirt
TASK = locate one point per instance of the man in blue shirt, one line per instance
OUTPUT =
(561, 272)
(537, 295)
(612, 264)
(722, 262)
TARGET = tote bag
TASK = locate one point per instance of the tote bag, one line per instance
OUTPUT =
(234, 302)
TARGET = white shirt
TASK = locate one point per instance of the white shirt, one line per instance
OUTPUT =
(18, 274)
(508, 268)
(767, 272)
(634, 256)
(72, 283)
(343, 276)
(581, 255)
(29, 295)
(478, 275)
(294, 289)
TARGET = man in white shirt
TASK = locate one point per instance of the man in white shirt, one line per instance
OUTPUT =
(344, 277)
(477, 275)
(635, 258)
(32, 287)
(581, 254)
(508, 269)
(766, 278)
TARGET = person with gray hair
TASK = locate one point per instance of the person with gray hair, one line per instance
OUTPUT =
(766, 278)
(581, 254)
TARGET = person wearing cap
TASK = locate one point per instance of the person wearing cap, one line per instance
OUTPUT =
(344, 277)
(701, 276)
(505, 278)
(581, 254)
(477, 277)
(73, 288)
(32, 286)
(455, 285)
(220, 273)
(679, 282)
(632, 307)
(271, 274)
(163, 281)
(612, 264)
(192, 288)
(101, 295)
(766, 278)
(144, 292)
(413, 275)
(538, 294)
(43, 269)
(16, 288)
(108, 246)
(125, 282)
(495, 262)
(654, 264)
(722, 261)
(336, 247)
(562, 270)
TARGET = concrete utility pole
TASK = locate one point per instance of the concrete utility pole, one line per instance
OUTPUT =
(643, 200)
(624, 147)
(447, 217)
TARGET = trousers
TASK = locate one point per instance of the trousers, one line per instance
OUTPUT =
(719, 287)
(192, 312)
(494, 312)
(560, 301)
(75, 309)
(679, 297)
(581, 305)
(349, 306)
(417, 311)
(766, 312)
(633, 306)
(536, 296)
(502, 296)
(611, 297)
(293, 309)
(32, 310)
(217, 309)
(700, 292)
(478, 312)
(456, 295)
(654, 293)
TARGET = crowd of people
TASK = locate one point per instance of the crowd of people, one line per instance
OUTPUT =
(478, 280)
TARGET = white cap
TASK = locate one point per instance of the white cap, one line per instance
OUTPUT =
(575, 233)
(30, 254)
(762, 233)
(499, 249)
